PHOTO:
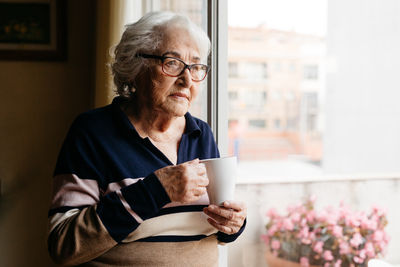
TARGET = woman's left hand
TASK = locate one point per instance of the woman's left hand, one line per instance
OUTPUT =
(228, 218)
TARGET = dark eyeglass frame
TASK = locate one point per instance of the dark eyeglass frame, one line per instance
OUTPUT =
(186, 66)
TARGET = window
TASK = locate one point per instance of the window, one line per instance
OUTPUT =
(310, 72)
(265, 70)
(330, 130)
(253, 98)
(232, 95)
(253, 70)
(292, 124)
(233, 69)
(264, 96)
(277, 124)
(311, 101)
(322, 126)
(293, 105)
(257, 123)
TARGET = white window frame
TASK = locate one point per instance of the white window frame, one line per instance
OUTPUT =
(217, 84)
(217, 102)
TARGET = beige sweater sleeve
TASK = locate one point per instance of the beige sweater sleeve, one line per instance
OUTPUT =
(79, 238)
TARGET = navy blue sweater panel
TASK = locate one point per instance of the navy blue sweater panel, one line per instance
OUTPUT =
(97, 148)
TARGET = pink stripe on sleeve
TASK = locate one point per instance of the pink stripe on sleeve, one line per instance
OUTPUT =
(70, 190)
(112, 187)
(128, 208)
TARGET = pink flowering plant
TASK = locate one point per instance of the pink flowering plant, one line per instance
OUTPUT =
(332, 237)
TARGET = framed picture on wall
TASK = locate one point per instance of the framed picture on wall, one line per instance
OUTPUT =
(33, 30)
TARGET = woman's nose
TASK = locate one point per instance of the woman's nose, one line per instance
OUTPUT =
(186, 78)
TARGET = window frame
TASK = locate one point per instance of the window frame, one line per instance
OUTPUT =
(217, 95)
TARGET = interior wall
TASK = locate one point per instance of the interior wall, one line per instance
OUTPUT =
(38, 101)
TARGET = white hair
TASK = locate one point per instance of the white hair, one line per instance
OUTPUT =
(146, 36)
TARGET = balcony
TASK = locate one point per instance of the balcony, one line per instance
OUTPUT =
(359, 192)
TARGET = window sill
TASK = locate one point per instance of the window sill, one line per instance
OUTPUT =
(270, 172)
(319, 179)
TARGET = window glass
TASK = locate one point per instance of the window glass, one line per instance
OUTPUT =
(311, 72)
(264, 50)
(314, 112)
(233, 69)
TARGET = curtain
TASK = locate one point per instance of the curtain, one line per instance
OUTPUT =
(109, 27)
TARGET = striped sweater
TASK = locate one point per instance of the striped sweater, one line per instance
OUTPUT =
(109, 209)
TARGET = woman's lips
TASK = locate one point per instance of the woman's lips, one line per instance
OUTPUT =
(180, 95)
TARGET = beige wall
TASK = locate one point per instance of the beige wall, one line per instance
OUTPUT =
(38, 101)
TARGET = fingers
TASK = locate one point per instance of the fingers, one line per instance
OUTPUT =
(185, 182)
(195, 174)
(222, 228)
(221, 215)
(202, 181)
(199, 167)
(198, 192)
(238, 206)
(196, 166)
(228, 218)
(199, 177)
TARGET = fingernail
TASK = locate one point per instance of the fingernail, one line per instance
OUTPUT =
(226, 203)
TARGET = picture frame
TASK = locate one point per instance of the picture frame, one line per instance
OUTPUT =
(33, 30)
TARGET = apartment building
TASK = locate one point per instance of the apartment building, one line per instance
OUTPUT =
(275, 89)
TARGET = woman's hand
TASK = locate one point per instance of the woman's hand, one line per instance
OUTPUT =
(228, 218)
(185, 182)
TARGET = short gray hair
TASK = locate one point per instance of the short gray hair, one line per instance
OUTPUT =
(145, 36)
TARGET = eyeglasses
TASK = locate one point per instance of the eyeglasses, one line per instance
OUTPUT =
(174, 67)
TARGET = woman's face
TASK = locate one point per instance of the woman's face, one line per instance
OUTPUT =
(170, 95)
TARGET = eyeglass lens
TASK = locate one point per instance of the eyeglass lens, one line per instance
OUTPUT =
(175, 67)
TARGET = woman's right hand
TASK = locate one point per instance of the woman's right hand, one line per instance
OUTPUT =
(185, 182)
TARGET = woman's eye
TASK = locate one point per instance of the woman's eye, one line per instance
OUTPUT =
(172, 63)
(198, 67)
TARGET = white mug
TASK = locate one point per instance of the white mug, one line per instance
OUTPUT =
(221, 174)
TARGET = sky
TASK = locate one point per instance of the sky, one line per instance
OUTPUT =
(304, 16)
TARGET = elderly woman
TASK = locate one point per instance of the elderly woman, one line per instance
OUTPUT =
(128, 186)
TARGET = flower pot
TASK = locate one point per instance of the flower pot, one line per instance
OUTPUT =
(273, 261)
